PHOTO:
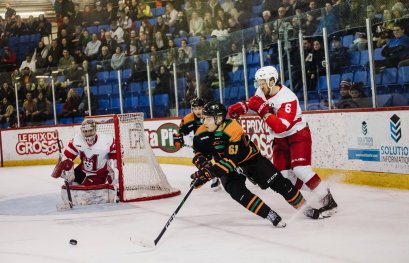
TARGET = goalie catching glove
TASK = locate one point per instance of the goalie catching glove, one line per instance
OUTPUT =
(202, 176)
(237, 109)
(259, 105)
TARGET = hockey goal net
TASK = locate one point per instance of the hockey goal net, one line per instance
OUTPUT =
(140, 176)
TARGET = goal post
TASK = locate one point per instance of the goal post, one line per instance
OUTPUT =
(140, 175)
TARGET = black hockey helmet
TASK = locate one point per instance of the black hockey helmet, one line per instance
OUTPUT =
(197, 102)
(214, 109)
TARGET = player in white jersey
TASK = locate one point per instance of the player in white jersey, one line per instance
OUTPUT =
(279, 107)
(97, 153)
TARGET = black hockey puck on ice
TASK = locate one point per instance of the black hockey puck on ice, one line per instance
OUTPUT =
(73, 242)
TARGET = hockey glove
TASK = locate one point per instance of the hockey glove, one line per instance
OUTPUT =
(200, 161)
(236, 110)
(64, 164)
(178, 140)
(258, 105)
(202, 176)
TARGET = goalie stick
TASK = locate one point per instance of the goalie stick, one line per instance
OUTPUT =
(175, 213)
(67, 185)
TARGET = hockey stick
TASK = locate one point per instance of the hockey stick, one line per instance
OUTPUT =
(175, 213)
(67, 185)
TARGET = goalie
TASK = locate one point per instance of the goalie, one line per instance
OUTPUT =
(94, 179)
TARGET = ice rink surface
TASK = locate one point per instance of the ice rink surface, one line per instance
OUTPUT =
(372, 225)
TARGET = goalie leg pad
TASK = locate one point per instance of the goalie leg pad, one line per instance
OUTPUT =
(83, 195)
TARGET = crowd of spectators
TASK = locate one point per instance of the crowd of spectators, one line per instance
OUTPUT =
(127, 29)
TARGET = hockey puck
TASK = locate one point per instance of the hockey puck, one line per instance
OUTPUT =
(73, 242)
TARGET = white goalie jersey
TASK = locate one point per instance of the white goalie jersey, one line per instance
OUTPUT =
(94, 159)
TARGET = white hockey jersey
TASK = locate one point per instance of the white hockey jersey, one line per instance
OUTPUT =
(287, 118)
(93, 158)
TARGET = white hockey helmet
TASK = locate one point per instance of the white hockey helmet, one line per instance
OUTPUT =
(89, 131)
(267, 73)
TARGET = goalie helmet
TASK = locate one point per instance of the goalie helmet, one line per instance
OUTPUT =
(197, 102)
(214, 109)
(268, 73)
(89, 131)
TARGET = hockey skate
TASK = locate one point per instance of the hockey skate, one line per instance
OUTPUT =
(329, 206)
(312, 213)
(276, 219)
(216, 184)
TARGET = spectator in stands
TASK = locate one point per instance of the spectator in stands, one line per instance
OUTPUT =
(227, 5)
(195, 25)
(109, 42)
(132, 47)
(232, 25)
(172, 47)
(117, 32)
(168, 62)
(77, 18)
(118, 59)
(214, 7)
(99, 16)
(104, 59)
(338, 55)
(358, 96)
(70, 108)
(113, 13)
(170, 15)
(27, 76)
(85, 38)
(341, 11)
(147, 29)
(212, 79)
(10, 12)
(199, 7)
(345, 96)
(55, 51)
(31, 25)
(44, 88)
(267, 35)
(83, 109)
(138, 70)
(203, 49)
(396, 50)
(181, 25)
(29, 108)
(8, 60)
(144, 11)
(266, 15)
(43, 111)
(311, 24)
(188, 50)
(18, 27)
(297, 26)
(143, 43)
(154, 64)
(92, 48)
(76, 38)
(6, 113)
(43, 26)
(88, 17)
(125, 22)
(235, 60)
(65, 63)
(160, 26)
(208, 24)
(313, 64)
(66, 45)
(359, 43)
(164, 82)
(328, 20)
(159, 41)
(371, 14)
(67, 26)
(223, 16)
(68, 8)
(220, 31)
(357, 15)
(7, 91)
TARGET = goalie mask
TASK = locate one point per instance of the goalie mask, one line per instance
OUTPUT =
(269, 74)
(89, 131)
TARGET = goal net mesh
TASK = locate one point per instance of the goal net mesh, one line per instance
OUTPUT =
(141, 177)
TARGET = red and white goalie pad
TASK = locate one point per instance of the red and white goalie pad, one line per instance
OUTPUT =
(89, 195)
